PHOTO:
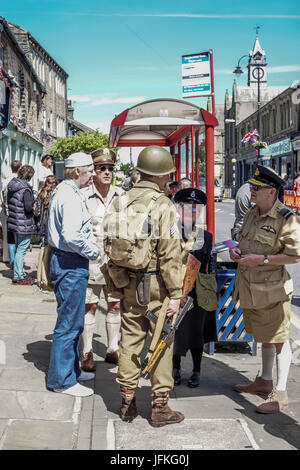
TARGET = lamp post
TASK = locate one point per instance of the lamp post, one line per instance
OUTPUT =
(257, 74)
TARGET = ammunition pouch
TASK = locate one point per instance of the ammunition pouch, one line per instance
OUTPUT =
(118, 275)
(206, 289)
(143, 279)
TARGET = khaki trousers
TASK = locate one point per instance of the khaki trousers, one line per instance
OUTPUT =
(134, 329)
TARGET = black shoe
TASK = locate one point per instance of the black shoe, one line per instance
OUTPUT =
(177, 376)
(194, 380)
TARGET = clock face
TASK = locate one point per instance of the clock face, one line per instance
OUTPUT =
(258, 73)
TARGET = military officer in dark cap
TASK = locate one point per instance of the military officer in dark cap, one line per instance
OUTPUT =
(199, 324)
(268, 240)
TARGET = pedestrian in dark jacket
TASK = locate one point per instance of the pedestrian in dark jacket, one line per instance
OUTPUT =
(21, 222)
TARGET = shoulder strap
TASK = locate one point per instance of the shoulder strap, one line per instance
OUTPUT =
(285, 212)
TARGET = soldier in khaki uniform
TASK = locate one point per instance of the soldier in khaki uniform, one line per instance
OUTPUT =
(155, 165)
(99, 196)
(268, 240)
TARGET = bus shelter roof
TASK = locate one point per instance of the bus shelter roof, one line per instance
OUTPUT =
(161, 122)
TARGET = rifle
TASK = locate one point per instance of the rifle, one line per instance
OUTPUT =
(168, 331)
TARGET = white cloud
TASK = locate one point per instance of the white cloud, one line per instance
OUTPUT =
(80, 99)
(200, 15)
(284, 68)
(135, 99)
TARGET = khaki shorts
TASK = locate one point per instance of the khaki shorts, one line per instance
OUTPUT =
(269, 324)
(93, 293)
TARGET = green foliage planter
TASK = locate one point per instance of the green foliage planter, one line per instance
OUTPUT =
(84, 142)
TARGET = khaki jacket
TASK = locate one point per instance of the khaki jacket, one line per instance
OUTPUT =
(268, 234)
(166, 255)
(97, 207)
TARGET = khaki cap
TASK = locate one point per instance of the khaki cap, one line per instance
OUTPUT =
(104, 156)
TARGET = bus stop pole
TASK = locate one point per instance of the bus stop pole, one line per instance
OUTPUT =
(210, 180)
(193, 155)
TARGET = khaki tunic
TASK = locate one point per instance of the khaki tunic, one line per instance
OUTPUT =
(265, 291)
(166, 258)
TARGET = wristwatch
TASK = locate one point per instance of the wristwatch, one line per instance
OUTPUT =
(266, 260)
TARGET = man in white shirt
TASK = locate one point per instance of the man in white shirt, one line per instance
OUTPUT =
(99, 197)
(44, 169)
(71, 238)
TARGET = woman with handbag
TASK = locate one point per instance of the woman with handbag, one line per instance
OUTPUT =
(199, 324)
(41, 213)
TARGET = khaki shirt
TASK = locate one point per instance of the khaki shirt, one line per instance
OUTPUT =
(166, 256)
(97, 207)
(267, 234)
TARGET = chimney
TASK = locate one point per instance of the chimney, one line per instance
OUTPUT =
(70, 110)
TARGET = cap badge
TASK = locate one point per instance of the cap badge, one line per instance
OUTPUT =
(193, 194)
(105, 151)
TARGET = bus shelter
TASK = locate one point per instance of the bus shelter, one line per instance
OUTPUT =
(178, 125)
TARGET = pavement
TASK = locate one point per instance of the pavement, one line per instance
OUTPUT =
(217, 417)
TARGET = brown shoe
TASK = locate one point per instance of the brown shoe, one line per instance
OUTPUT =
(276, 402)
(88, 363)
(112, 357)
(128, 409)
(162, 414)
(259, 386)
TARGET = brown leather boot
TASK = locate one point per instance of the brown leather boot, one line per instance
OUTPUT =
(259, 386)
(88, 363)
(276, 402)
(128, 409)
(112, 357)
(162, 414)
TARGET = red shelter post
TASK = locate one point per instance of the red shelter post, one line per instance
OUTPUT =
(187, 158)
(210, 180)
(193, 155)
(197, 158)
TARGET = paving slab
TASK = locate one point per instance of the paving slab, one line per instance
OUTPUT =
(190, 434)
(38, 435)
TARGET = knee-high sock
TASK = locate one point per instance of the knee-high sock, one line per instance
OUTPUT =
(283, 361)
(113, 323)
(88, 331)
(267, 356)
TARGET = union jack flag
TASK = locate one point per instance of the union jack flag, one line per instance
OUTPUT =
(251, 137)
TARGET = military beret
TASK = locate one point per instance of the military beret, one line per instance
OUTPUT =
(191, 196)
(265, 176)
(104, 156)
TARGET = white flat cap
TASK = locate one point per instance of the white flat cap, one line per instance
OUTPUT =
(78, 159)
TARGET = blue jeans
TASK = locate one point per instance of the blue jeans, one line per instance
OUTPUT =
(11, 252)
(69, 273)
(22, 243)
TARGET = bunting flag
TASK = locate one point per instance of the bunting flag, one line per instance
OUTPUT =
(251, 137)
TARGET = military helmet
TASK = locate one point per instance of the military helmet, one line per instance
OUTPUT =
(155, 161)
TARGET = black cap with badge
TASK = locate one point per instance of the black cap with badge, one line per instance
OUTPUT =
(191, 196)
(265, 176)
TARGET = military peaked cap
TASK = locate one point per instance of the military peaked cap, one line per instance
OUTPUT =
(105, 156)
(265, 176)
(191, 196)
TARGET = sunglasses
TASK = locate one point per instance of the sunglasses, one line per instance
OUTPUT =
(256, 188)
(101, 168)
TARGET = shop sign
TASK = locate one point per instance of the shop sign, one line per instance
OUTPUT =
(296, 144)
(278, 148)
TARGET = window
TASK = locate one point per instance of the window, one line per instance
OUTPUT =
(50, 77)
(274, 121)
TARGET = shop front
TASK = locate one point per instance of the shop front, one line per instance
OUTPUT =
(280, 156)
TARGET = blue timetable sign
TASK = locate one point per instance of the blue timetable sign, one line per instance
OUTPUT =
(196, 75)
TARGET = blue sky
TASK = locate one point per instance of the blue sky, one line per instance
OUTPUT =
(119, 53)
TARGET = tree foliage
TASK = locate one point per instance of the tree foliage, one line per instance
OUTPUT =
(84, 142)
(126, 168)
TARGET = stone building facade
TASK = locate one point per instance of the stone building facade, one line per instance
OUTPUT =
(280, 129)
(75, 126)
(243, 103)
(21, 140)
(54, 120)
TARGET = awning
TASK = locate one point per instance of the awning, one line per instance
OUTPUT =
(157, 122)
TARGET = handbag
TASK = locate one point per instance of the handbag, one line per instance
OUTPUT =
(206, 290)
(43, 276)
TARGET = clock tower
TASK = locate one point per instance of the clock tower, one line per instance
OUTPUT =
(257, 70)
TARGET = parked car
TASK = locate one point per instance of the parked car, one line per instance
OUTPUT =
(219, 190)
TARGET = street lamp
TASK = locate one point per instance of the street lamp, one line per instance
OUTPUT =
(257, 74)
